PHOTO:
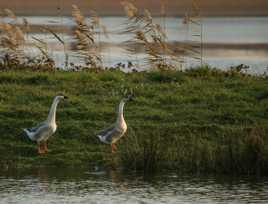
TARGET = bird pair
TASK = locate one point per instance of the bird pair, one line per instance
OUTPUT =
(43, 131)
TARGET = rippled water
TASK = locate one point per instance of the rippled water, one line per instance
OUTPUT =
(78, 186)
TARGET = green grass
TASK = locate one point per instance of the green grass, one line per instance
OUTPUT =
(202, 120)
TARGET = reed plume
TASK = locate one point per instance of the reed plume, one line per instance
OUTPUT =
(130, 10)
(61, 41)
(193, 22)
(150, 36)
(12, 41)
(10, 14)
(44, 60)
(84, 34)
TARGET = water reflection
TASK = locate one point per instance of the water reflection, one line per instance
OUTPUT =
(80, 186)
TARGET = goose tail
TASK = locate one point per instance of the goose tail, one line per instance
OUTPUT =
(28, 133)
(102, 139)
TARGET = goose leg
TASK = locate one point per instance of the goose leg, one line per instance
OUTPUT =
(45, 146)
(114, 148)
(40, 148)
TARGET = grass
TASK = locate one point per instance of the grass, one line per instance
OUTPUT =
(201, 121)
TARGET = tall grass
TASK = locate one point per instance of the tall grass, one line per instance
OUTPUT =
(150, 36)
(85, 35)
(62, 42)
(12, 39)
(13, 45)
(44, 59)
(194, 26)
(203, 150)
(14, 33)
(146, 34)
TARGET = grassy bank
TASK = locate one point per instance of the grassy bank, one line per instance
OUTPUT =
(199, 121)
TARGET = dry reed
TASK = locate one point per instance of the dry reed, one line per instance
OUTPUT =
(12, 41)
(84, 34)
(45, 60)
(193, 21)
(151, 37)
(61, 41)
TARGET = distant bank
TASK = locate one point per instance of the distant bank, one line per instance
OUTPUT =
(113, 7)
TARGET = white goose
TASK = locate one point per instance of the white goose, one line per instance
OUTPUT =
(113, 133)
(44, 130)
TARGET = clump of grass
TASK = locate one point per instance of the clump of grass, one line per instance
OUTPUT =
(201, 150)
(255, 150)
(151, 37)
(142, 153)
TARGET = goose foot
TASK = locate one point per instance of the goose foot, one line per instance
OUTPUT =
(41, 148)
(114, 148)
(45, 146)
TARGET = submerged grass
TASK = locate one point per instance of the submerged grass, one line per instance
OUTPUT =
(196, 121)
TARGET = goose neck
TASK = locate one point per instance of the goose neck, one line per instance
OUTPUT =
(52, 113)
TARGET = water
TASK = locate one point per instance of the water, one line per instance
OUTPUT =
(228, 41)
(80, 186)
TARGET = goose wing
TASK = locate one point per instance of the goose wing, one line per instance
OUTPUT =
(104, 131)
(40, 131)
(109, 133)
(35, 129)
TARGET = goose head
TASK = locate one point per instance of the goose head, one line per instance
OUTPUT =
(61, 97)
(128, 98)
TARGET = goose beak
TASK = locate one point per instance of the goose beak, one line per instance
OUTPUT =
(130, 98)
(65, 97)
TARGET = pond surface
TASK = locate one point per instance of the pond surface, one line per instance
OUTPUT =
(97, 187)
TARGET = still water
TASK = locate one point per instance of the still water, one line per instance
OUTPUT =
(227, 41)
(113, 187)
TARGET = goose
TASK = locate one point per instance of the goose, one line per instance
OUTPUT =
(44, 130)
(113, 133)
